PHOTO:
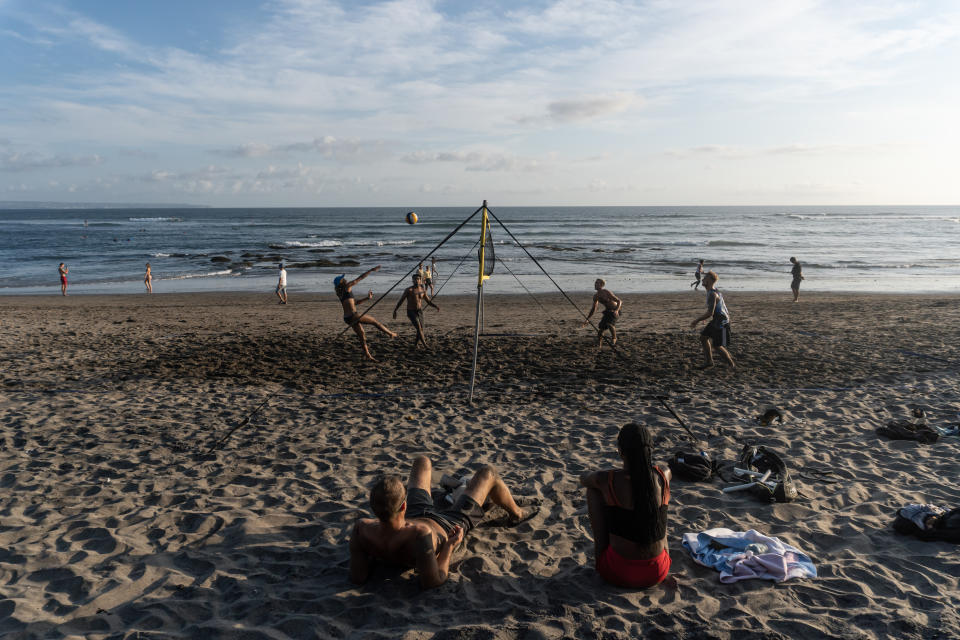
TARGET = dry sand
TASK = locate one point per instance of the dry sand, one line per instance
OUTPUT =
(117, 523)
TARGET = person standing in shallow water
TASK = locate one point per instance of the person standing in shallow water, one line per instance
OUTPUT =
(351, 316)
(797, 273)
(63, 278)
(716, 335)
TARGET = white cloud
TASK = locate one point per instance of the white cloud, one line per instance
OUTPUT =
(479, 90)
(29, 161)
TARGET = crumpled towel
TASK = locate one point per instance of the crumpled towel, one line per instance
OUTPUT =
(918, 513)
(745, 555)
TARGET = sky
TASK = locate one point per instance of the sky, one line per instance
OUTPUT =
(445, 103)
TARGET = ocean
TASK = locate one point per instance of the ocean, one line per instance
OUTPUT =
(636, 249)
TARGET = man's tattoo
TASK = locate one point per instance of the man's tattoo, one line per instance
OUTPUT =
(425, 544)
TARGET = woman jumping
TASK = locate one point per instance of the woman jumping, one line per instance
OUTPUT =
(350, 314)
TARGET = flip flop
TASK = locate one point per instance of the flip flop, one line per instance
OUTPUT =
(509, 522)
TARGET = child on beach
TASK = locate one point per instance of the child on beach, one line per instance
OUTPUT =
(698, 274)
(716, 335)
(797, 273)
(63, 278)
(148, 279)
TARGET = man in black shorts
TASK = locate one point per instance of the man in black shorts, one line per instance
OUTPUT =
(611, 312)
(415, 297)
(410, 531)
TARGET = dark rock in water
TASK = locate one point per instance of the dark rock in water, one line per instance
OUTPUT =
(322, 263)
(219, 259)
(246, 263)
(251, 255)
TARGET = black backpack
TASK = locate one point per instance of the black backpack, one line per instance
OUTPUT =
(696, 467)
(761, 459)
(902, 430)
(947, 527)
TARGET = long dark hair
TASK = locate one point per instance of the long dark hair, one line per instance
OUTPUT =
(636, 446)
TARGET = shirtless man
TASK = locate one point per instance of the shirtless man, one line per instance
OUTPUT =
(415, 297)
(351, 316)
(411, 532)
(612, 305)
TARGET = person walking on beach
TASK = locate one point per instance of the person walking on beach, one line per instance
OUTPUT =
(797, 273)
(148, 279)
(628, 514)
(611, 313)
(716, 335)
(415, 297)
(282, 285)
(698, 274)
(433, 275)
(63, 278)
(411, 532)
(350, 315)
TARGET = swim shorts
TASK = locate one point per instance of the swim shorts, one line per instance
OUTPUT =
(637, 574)
(795, 284)
(279, 289)
(608, 320)
(351, 319)
(465, 513)
(719, 335)
(415, 316)
(63, 279)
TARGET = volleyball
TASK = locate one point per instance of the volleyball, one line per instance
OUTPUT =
(411, 218)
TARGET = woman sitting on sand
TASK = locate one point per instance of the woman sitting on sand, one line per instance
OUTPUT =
(628, 514)
(350, 314)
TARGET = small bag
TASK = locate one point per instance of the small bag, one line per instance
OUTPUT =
(696, 467)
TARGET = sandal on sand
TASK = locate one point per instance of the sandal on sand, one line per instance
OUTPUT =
(530, 512)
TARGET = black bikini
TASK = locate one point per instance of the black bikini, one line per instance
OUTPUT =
(627, 524)
(347, 295)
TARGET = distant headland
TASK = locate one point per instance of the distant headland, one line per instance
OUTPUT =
(15, 204)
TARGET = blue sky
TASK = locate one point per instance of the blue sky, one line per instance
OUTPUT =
(419, 102)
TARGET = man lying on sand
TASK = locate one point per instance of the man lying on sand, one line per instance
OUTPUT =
(410, 531)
